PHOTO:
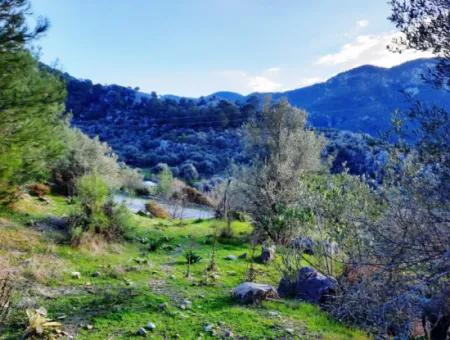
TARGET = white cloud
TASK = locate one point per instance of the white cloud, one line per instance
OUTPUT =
(368, 49)
(273, 70)
(243, 82)
(362, 23)
(310, 81)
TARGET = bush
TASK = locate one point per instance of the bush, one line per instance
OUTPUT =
(191, 257)
(87, 155)
(39, 189)
(194, 196)
(165, 183)
(156, 210)
(94, 213)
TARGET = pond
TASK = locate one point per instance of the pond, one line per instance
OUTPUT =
(136, 204)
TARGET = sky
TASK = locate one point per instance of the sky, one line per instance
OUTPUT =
(197, 47)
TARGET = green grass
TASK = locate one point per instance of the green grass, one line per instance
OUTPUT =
(133, 282)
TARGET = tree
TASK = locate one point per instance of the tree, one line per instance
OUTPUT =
(84, 155)
(14, 32)
(282, 149)
(165, 182)
(425, 25)
(31, 103)
(404, 271)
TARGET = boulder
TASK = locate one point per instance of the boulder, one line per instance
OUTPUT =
(304, 244)
(250, 292)
(286, 288)
(268, 253)
(310, 285)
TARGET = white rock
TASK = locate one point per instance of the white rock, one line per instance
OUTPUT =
(150, 326)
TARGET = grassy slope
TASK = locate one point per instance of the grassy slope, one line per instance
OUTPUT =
(127, 294)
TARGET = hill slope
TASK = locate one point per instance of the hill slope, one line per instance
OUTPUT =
(363, 99)
(146, 129)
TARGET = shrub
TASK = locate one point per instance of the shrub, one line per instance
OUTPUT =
(189, 172)
(94, 213)
(41, 326)
(87, 155)
(194, 196)
(156, 210)
(191, 257)
(165, 183)
(39, 189)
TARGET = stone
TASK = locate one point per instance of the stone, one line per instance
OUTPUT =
(163, 306)
(96, 274)
(250, 292)
(267, 253)
(142, 331)
(274, 313)
(310, 286)
(89, 327)
(186, 304)
(150, 326)
(231, 257)
(209, 328)
(75, 275)
(304, 244)
(289, 331)
(228, 333)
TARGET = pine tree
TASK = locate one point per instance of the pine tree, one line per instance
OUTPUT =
(31, 103)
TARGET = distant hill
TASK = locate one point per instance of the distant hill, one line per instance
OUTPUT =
(363, 99)
(203, 133)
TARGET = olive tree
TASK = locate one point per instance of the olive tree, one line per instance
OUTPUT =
(281, 148)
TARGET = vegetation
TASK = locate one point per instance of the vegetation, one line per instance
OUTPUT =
(283, 150)
(156, 210)
(84, 155)
(377, 248)
(94, 213)
(135, 286)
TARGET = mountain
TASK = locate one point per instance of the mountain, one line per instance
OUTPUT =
(199, 137)
(363, 99)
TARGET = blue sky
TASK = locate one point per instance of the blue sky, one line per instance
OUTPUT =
(196, 47)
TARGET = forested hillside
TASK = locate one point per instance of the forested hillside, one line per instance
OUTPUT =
(200, 138)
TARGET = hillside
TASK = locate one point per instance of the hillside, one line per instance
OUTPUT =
(147, 129)
(104, 291)
(363, 99)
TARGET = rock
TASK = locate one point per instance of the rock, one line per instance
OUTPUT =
(228, 333)
(186, 304)
(150, 326)
(96, 274)
(231, 257)
(274, 313)
(304, 244)
(268, 253)
(209, 328)
(142, 331)
(75, 275)
(286, 288)
(89, 327)
(310, 286)
(163, 306)
(250, 292)
(289, 331)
